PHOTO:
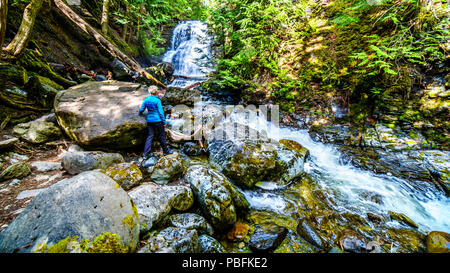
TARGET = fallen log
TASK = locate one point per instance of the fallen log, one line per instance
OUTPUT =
(111, 48)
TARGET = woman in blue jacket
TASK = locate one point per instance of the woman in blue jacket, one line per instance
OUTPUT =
(155, 121)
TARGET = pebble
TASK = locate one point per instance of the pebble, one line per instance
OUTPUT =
(14, 182)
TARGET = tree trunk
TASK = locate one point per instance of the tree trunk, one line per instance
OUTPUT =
(125, 26)
(111, 48)
(20, 41)
(3, 13)
(105, 15)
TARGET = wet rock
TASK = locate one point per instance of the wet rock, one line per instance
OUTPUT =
(154, 202)
(249, 162)
(46, 166)
(127, 175)
(38, 131)
(190, 221)
(218, 198)
(338, 134)
(120, 71)
(352, 242)
(438, 242)
(18, 170)
(402, 218)
(150, 162)
(295, 244)
(87, 205)
(308, 233)
(375, 218)
(103, 115)
(178, 240)
(178, 96)
(192, 149)
(182, 197)
(384, 137)
(207, 244)
(167, 68)
(77, 162)
(267, 237)
(167, 169)
(405, 240)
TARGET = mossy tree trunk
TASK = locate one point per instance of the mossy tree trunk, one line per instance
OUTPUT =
(20, 41)
(110, 47)
(3, 13)
(105, 16)
(125, 26)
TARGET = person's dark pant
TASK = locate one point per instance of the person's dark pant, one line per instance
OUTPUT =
(158, 128)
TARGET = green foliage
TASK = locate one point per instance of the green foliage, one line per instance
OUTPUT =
(150, 17)
(296, 51)
(103, 243)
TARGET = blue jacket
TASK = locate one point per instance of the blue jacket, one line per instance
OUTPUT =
(155, 111)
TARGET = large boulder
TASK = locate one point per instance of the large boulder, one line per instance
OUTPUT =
(77, 162)
(248, 162)
(103, 115)
(89, 206)
(219, 199)
(154, 202)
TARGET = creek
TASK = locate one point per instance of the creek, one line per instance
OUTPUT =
(348, 187)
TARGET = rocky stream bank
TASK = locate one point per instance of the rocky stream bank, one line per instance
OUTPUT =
(73, 181)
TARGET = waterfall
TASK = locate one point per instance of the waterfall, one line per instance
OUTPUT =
(190, 53)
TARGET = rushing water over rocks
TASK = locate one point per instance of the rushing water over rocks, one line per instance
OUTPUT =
(190, 53)
(344, 189)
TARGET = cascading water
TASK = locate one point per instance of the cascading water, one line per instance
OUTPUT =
(190, 53)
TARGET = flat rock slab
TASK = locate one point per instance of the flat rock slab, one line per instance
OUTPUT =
(8, 143)
(46, 166)
(28, 194)
(103, 114)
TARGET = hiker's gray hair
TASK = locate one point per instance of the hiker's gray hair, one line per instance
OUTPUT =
(153, 89)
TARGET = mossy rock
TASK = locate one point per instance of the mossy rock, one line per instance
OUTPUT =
(127, 175)
(89, 205)
(404, 240)
(18, 170)
(403, 219)
(13, 73)
(37, 131)
(43, 90)
(33, 60)
(103, 243)
(438, 242)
